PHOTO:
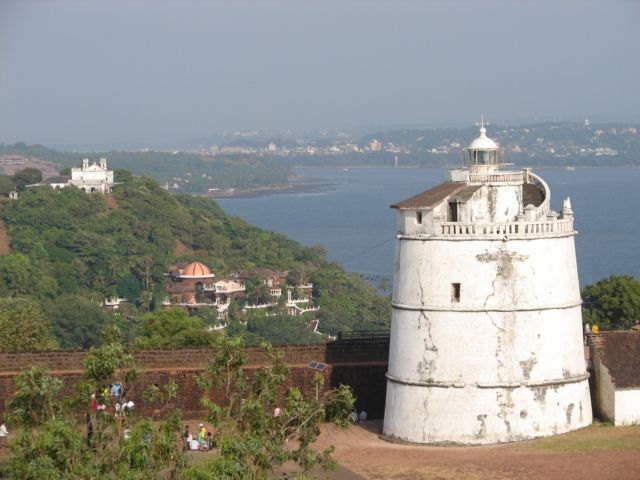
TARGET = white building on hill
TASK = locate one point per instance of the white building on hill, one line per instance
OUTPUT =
(88, 178)
(486, 333)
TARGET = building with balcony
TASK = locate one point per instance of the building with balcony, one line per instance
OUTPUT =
(194, 286)
(486, 335)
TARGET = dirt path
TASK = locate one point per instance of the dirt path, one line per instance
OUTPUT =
(600, 452)
(5, 241)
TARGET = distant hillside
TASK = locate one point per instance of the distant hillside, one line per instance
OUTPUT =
(70, 248)
(543, 144)
(185, 172)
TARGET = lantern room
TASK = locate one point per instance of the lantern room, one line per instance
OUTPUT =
(482, 154)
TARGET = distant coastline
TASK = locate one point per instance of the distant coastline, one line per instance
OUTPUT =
(311, 185)
(299, 186)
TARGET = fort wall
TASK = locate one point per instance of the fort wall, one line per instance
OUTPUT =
(359, 363)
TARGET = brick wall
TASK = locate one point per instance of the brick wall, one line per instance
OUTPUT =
(361, 364)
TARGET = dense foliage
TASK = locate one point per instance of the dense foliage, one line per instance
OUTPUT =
(250, 436)
(123, 444)
(19, 180)
(612, 303)
(23, 327)
(70, 250)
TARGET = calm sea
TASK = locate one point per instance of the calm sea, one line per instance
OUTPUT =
(349, 214)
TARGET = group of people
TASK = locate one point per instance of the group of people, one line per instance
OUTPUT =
(202, 442)
(110, 398)
(588, 330)
(114, 393)
(356, 417)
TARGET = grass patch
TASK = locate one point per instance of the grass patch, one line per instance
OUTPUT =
(599, 437)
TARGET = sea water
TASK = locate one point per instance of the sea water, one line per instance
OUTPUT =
(348, 213)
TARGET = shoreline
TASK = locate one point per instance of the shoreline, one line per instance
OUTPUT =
(309, 185)
(291, 189)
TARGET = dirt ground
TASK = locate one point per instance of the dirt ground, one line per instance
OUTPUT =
(600, 451)
(5, 241)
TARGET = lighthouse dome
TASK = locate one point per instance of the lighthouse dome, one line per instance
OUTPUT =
(482, 142)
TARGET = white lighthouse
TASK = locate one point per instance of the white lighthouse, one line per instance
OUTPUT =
(486, 332)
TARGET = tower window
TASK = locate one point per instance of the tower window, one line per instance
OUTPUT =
(455, 292)
(419, 217)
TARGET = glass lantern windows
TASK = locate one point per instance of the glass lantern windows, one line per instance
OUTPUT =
(482, 157)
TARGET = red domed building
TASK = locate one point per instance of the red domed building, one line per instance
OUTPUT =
(194, 286)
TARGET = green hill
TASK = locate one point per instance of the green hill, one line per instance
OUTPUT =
(70, 250)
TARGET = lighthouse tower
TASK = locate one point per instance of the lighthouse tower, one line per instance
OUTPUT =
(486, 332)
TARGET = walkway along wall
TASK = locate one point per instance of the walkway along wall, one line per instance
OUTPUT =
(359, 363)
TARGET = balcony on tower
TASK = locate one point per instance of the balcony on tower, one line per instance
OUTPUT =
(480, 200)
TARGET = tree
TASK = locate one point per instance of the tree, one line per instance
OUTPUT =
(256, 291)
(77, 321)
(52, 446)
(173, 327)
(283, 329)
(251, 440)
(20, 275)
(36, 399)
(6, 185)
(129, 287)
(23, 327)
(612, 303)
(26, 176)
(250, 437)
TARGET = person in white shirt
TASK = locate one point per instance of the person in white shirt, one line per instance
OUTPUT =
(3, 434)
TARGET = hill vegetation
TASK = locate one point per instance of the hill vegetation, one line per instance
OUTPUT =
(70, 250)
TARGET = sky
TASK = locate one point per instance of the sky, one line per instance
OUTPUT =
(153, 71)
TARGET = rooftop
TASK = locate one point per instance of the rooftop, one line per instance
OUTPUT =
(620, 353)
(196, 270)
(431, 197)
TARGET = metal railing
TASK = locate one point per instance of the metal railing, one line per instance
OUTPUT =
(364, 335)
(497, 177)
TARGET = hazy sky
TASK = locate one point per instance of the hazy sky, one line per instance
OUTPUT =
(82, 72)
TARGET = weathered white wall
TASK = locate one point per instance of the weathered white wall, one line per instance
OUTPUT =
(493, 274)
(604, 390)
(471, 415)
(627, 406)
(493, 204)
(504, 363)
(620, 406)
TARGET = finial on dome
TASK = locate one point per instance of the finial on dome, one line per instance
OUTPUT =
(483, 131)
